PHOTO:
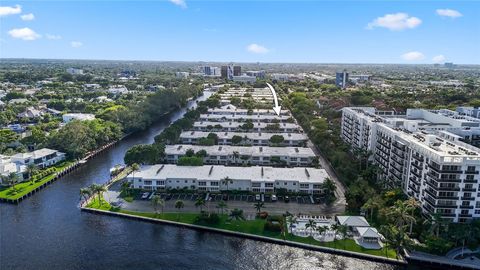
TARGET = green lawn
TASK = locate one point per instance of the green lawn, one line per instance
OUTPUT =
(248, 226)
(23, 188)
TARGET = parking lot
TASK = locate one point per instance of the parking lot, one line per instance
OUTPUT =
(304, 204)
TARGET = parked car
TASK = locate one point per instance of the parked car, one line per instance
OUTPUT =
(274, 198)
(287, 199)
(257, 197)
(145, 195)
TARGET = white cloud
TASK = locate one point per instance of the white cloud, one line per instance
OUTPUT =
(53, 37)
(413, 56)
(24, 33)
(180, 3)
(255, 48)
(27, 17)
(395, 22)
(76, 44)
(4, 11)
(449, 13)
(438, 59)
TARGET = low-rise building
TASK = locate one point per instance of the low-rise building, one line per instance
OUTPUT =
(244, 155)
(42, 158)
(239, 127)
(257, 139)
(217, 178)
(233, 110)
(242, 118)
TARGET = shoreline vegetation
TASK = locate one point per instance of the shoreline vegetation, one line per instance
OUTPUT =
(254, 227)
(87, 138)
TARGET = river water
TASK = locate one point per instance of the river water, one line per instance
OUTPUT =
(48, 231)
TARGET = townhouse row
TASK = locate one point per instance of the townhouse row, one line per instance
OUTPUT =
(244, 155)
(245, 138)
(243, 126)
(218, 178)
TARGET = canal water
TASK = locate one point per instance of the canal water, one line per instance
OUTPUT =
(48, 231)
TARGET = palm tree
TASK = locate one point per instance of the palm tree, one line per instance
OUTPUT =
(31, 170)
(258, 206)
(312, 225)
(179, 204)
(85, 193)
(12, 180)
(400, 213)
(321, 229)
(335, 227)
(98, 189)
(291, 220)
(236, 214)
(200, 202)
(434, 222)
(225, 181)
(222, 205)
(412, 204)
(371, 205)
(396, 237)
(156, 202)
(135, 167)
(125, 188)
(343, 229)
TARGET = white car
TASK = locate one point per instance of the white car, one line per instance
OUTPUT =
(257, 197)
(274, 198)
(145, 195)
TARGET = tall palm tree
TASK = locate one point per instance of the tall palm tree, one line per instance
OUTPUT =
(322, 229)
(371, 205)
(334, 227)
(236, 214)
(12, 180)
(258, 206)
(31, 170)
(225, 181)
(125, 188)
(343, 229)
(98, 189)
(412, 204)
(156, 202)
(396, 238)
(200, 202)
(135, 167)
(400, 214)
(291, 220)
(85, 193)
(435, 223)
(312, 225)
(222, 205)
(179, 204)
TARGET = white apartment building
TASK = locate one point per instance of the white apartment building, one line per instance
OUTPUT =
(242, 118)
(244, 155)
(42, 158)
(233, 110)
(238, 127)
(441, 174)
(257, 139)
(209, 178)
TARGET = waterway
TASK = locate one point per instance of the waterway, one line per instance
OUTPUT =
(48, 231)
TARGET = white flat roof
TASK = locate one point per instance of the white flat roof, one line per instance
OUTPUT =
(249, 135)
(244, 117)
(238, 123)
(181, 149)
(218, 172)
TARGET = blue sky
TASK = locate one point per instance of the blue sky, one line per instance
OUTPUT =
(251, 31)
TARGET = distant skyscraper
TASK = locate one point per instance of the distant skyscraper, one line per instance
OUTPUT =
(449, 65)
(237, 70)
(227, 72)
(207, 70)
(341, 79)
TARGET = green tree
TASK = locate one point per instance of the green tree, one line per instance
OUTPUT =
(226, 181)
(179, 204)
(200, 202)
(98, 190)
(277, 139)
(157, 201)
(85, 193)
(258, 206)
(236, 214)
(222, 205)
(32, 169)
(311, 225)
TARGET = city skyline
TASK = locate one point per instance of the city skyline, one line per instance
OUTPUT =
(368, 32)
